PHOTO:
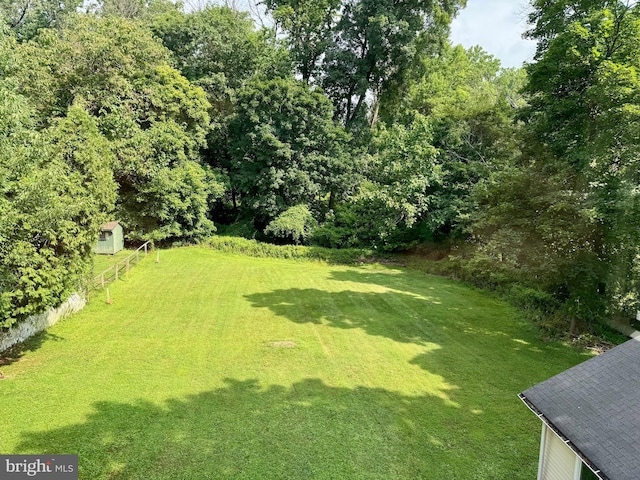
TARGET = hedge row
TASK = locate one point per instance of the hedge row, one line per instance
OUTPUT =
(265, 250)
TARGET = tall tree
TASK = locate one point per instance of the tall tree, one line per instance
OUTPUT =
(575, 188)
(220, 50)
(286, 149)
(373, 45)
(156, 120)
(551, 18)
(470, 103)
(401, 177)
(309, 26)
(56, 189)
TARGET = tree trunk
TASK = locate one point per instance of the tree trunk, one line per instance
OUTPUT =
(354, 113)
(376, 111)
(332, 200)
(24, 13)
(573, 328)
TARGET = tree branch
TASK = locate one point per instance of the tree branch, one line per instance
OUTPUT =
(24, 13)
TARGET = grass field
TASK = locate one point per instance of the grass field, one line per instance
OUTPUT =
(213, 366)
(102, 262)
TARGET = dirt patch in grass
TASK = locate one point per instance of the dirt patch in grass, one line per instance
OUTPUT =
(283, 344)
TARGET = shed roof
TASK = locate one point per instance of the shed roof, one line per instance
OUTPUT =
(109, 227)
(596, 406)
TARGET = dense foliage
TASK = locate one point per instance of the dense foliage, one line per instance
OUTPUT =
(57, 189)
(350, 123)
(155, 119)
(563, 217)
(285, 148)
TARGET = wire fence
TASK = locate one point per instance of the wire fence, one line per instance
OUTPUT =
(120, 269)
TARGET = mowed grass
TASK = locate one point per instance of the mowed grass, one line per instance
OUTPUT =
(102, 262)
(211, 366)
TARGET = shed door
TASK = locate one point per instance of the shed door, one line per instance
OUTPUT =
(558, 461)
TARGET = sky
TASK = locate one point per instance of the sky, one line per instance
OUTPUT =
(497, 26)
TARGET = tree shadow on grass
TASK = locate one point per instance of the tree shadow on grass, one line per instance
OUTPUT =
(403, 281)
(397, 316)
(410, 309)
(307, 430)
(15, 353)
(389, 277)
(471, 340)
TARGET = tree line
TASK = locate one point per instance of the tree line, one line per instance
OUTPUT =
(345, 123)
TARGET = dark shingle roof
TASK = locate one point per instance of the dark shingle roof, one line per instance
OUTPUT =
(596, 405)
(109, 227)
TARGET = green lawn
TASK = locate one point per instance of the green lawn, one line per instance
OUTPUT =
(210, 366)
(102, 262)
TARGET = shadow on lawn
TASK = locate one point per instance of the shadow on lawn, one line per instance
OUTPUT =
(472, 340)
(401, 281)
(307, 430)
(385, 276)
(15, 353)
(409, 311)
(352, 309)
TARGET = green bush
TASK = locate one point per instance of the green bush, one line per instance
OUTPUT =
(533, 299)
(369, 222)
(265, 250)
(294, 225)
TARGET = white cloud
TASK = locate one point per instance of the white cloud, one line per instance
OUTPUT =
(497, 26)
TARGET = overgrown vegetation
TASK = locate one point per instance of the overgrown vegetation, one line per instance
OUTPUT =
(350, 124)
(254, 248)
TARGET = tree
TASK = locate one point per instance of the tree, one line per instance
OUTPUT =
(296, 224)
(218, 49)
(374, 44)
(285, 148)
(123, 8)
(550, 19)
(401, 175)
(156, 120)
(585, 106)
(575, 187)
(309, 26)
(27, 17)
(467, 104)
(56, 191)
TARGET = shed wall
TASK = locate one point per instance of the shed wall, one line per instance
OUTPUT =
(118, 239)
(110, 242)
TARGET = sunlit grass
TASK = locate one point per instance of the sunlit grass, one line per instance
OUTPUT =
(210, 366)
(102, 262)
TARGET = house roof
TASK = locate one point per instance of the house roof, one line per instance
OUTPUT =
(596, 407)
(109, 227)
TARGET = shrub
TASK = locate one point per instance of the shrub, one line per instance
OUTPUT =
(533, 299)
(294, 225)
(265, 250)
(368, 221)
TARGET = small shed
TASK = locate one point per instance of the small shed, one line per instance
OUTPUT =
(591, 418)
(111, 239)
